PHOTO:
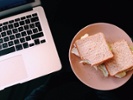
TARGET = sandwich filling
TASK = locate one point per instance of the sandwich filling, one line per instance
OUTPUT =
(94, 49)
(122, 60)
(111, 59)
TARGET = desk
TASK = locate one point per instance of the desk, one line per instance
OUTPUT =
(66, 18)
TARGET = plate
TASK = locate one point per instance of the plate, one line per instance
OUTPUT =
(89, 75)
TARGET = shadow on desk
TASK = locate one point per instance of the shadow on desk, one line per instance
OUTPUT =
(64, 84)
(20, 91)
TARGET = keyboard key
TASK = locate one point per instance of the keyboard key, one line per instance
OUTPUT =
(10, 26)
(35, 30)
(1, 40)
(5, 28)
(25, 45)
(15, 30)
(5, 23)
(32, 44)
(3, 34)
(7, 51)
(10, 43)
(0, 29)
(28, 38)
(18, 35)
(35, 19)
(28, 16)
(34, 15)
(23, 33)
(16, 24)
(9, 32)
(32, 26)
(39, 26)
(26, 27)
(22, 18)
(22, 40)
(12, 37)
(0, 47)
(27, 21)
(17, 19)
(43, 41)
(20, 29)
(19, 47)
(29, 32)
(21, 23)
(16, 41)
(4, 45)
(37, 41)
(35, 36)
(6, 39)
(11, 21)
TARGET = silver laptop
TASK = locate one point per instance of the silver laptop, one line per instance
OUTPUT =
(27, 49)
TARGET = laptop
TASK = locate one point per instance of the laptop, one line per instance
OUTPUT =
(27, 48)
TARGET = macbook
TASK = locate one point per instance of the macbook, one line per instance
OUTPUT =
(27, 48)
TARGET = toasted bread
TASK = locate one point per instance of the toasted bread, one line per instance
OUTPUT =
(122, 60)
(94, 49)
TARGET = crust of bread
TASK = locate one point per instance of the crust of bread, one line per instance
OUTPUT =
(122, 60)
(94, 48)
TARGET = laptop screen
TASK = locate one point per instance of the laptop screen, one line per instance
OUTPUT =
(7, 4)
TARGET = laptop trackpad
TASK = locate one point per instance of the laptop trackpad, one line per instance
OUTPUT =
(12, 71)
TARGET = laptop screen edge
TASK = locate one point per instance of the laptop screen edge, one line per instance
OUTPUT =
(11, 11)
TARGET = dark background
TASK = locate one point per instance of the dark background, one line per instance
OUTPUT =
(66, 18)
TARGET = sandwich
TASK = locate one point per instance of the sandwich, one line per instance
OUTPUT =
(114, 59)
(93, 49)
(122, 61)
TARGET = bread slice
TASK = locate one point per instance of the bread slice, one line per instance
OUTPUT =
(94, 49)
(122, 60)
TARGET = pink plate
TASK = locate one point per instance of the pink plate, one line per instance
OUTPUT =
(89, 75)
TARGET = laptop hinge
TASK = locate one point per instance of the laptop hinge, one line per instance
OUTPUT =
(14, 12)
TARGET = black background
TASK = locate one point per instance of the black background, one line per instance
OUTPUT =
(66, 18)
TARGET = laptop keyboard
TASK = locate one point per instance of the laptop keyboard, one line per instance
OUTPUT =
(20, 33)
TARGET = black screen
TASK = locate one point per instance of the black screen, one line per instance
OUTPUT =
(7, 4)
